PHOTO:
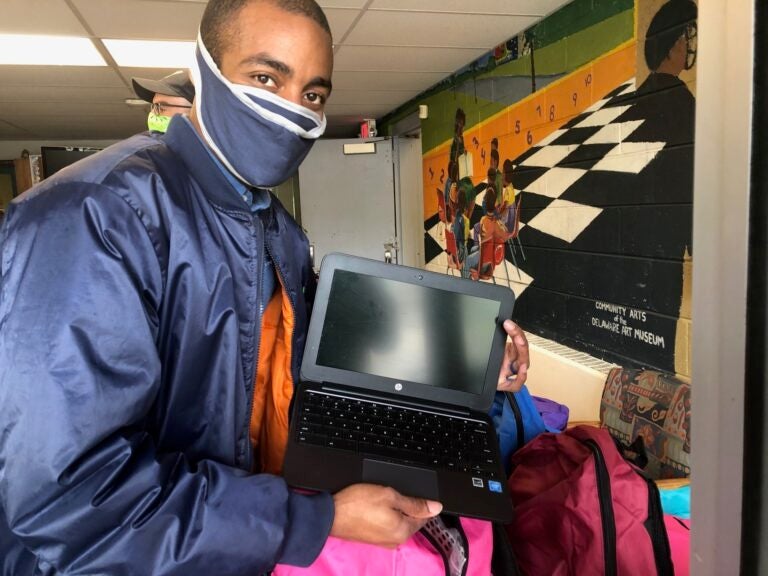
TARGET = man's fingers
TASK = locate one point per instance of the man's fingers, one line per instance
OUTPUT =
(514, 370)
(416, 507)
(522, 374)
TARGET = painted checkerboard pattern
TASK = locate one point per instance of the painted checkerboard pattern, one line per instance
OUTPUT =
(600, 140)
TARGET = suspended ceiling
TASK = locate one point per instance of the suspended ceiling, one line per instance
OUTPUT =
(386, 52)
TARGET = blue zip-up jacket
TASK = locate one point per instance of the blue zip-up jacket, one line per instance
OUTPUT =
(129, 333)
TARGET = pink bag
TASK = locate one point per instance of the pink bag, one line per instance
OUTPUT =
(419, 556)
(581, 508)
(679, 532)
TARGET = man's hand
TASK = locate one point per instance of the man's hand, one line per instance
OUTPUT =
(379, 515)
(514, 367)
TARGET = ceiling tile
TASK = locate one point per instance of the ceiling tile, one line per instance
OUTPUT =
(519, 7)
(153, 73)
(324, 4)
(391, 98)
(137, 19)
(373, 58)
(363, 110)
(39, 17)
(65, 109)
(59, 76)
(340, 21)
(429, 29)
(63, 93)
(11, 132)
(345, 80)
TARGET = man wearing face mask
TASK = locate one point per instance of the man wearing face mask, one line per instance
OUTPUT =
(154, 307)
(168, 96)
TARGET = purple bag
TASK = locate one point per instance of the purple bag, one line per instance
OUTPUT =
(555, 415)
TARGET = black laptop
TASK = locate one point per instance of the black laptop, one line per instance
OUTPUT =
(399, 372)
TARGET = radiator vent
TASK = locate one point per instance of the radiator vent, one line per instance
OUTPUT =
(581, 358)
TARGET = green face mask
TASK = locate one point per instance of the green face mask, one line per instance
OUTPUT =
(157, 123)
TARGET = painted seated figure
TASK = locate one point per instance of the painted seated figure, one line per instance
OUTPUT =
(491, 230)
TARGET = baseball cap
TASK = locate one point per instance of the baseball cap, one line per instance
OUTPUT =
(667, 25)
(176, 84)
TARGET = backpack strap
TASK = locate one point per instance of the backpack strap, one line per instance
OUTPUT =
(503, 560)
(449, 539)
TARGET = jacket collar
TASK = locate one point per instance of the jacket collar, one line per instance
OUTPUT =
(184, 141)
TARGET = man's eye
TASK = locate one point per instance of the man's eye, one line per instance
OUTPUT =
(264, 79)
(315, 98)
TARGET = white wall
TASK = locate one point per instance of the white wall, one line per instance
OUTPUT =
(721, 243)
(11, 149)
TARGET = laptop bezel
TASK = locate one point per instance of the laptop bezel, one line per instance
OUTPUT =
(408, 390)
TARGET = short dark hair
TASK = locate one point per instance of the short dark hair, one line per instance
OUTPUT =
(508, 169)
(216, 26)
(495, 155)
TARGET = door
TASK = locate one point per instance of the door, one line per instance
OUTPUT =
(411, 193)
(348, 199)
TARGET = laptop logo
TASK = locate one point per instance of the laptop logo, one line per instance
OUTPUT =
(398, 387)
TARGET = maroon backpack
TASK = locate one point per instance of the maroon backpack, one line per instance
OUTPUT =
(582, 509)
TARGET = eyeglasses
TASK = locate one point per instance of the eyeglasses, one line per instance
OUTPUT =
(691, 45)
(165, 109)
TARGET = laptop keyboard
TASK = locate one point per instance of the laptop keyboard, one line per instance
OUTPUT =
(396, 433)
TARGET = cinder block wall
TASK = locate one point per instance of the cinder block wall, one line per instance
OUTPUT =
(594, 109)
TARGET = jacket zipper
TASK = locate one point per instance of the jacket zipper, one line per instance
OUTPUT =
(260, 281)
(606, 509)
(518, 419)
(657, 531)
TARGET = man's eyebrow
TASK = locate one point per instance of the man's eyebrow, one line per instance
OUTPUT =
(319, 81)
(264, 59)
(267, 60)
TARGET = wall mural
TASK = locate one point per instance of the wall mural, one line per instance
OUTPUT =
(568, 174)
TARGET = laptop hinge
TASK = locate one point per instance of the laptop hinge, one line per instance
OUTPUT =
(410, 403)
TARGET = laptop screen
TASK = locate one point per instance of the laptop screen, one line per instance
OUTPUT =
(407, 332)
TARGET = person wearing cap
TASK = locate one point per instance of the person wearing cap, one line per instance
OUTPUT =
(154, 309)
(663, 101)
(168, 96)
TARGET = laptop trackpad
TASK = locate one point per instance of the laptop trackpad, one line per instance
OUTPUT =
(407, 480)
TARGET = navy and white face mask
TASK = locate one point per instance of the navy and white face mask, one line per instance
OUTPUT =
(260, 137)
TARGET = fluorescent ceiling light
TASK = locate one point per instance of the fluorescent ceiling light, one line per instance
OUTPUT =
(16, 49)
(151, 53)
